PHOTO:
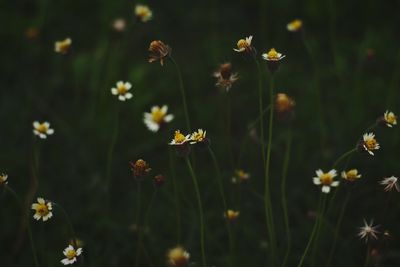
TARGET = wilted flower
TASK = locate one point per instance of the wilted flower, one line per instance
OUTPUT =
(3, 179)
(42, 129)
(240, 176)
(244, 45)
(326, 180)
(295, 25)
(71, 255)
(369, 143)
(157, 118)
(198, 136)
(140, 168)
(42, 209)
(390, 183)
(179, 138)
(63, 46)
(231, 215)
(284, 104)
(389, 119)
(368, 231)
(119, 25)
(225, 77)
(158, 51)
(273, 58)
(159, 180)
(143, 13)
(178, 257)
(122, 90)
(351, 175)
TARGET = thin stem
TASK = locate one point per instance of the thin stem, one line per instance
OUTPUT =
(32, 243)
(283, 195)
(342, 157)
(182, 88)
(320, 222)
(138, 226)
(260, 105)
(367, 256)
(201, 216)
(111, 153)
(176, 197)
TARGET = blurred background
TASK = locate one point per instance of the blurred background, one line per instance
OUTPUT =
(352, 67)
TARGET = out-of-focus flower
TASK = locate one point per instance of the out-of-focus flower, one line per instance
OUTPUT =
(159, 180)
(244, 45)
(122, 90)
(326, 180)
(43, 209)
(3, 179)
(179, 138)
(76, 242)
(140, 168)
(369, 143)
(42, 129)
(390, 183)
(273, 59)
(71, 255)
(240, 176)
(351, 175)
(143, 13)
(295, 25)
(198, 136)
(284, 104)
(178, 257)
(225, 77)
(368, 231)
(231, 215)
(158, 51)
(157, 118)
(389, 119)
(119, 25)
(31, 33)
(63, 46)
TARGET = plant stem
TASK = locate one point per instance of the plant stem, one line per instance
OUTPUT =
(183, 94)
(367, 256)
(110, 156)
(138, 226)
(342, 157)
(19, 201)
(176, 197)
(320, 222)
(260, 105)
(201, 216)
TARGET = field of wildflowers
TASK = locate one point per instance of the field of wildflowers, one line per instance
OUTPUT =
(209, 133)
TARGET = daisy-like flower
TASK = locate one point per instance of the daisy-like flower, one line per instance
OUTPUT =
(273, 59)
(369, 143)
(122, 90)
(368, 231)
(225, 77)
(71, 255)
(244, 45)
(143, 13)
(63, 46)
(390, 183)
(178, 257)
(140, 168)
(3, 179)
(295, 25)
(284, 105)
(42, 129)
(240, 176)
(231, 215)
(158, 51)
(198, 136)
(42, 209)
(179, 138)
(157, 118)
(351, 175)
(389, 119)
(326, 180)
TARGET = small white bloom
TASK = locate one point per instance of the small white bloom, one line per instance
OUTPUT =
(3, 179)
(42, 129)
(198, 136)
(42, 209)
(351, 175)
(179, 138)
(71, 255)
(63, 46)
(326, 180)
(273, 55)
(143, 13)
(390, 119)
(122, 90)
(390, 183)
(370, 143)
(157, 118)
(368, 231)
(244, 45)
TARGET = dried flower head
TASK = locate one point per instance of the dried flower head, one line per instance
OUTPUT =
(63, 46)
(3, 179)
(119, 25)
(43, 209)
(157, 118)
(389, 119)
(143, 13)
(140, 168)
(369, 143)
(42, 129)
(122, 90)
(284, 104)
(198, 136)
(368, 231)
(240, 176)
(326, 179)
(71, 255)
(244, 45)
(225, 77)
(351, 175)
(295, 25)
(231, 215)
(178, 257)
(390, 183)
(158, 51)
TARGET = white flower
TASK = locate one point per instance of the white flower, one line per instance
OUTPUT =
(179, 138)
(63, 46)
(390, 183)
(122, 90)
(157, 118)
(294, 25)
(3, 179)
(42, 209)
(143, 13)
(351, 175)
(198, 137)
(368, 231)
(273, 55)
(326, 180)
(390, 119)
(370, 143)
(71, 254)
(42, 129)
(244, 45)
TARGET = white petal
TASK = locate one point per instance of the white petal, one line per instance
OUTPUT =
(128, 95)
(168, 118)
(121, 97)
(120, 84)
(164, 109)
(114, 91)
(319, 172)
(335, 183)
(326, 189)
(333, 173)
(128, 86)
(50, 131)
(316, 181)
(36, 124)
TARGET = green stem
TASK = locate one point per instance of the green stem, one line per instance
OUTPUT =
(138, 226)
(182, 88)
(176, 197)
(201, 216)
(283, 195)
(260, 105)
(32, 243)
(367, 256)
(342, 157)
(320, 222)
(111, 153)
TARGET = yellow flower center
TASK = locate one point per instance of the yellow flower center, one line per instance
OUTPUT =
(42, 209)
(272, 54)
(326, 179)
(391, 118)
(157, 116)
(179, 138)
(370, 144)
(122, 90)
(197, 136)
(42, 128)
(242, 44)
(296, 24)
(71, 254)
(351, 175)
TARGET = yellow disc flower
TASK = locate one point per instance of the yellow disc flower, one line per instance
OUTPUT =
(178, 257)
(369, 143)
(143, 13)
(42, 129)
(42, 209)
(295, 25)
(244, 45)
(63, 46)
(71, 255)
(351, 175)
(325, 179)
(157, 118)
